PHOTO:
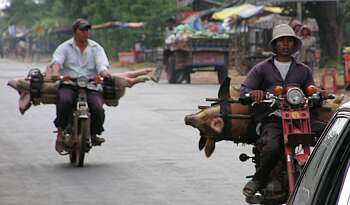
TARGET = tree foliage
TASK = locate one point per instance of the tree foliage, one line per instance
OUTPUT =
(54, 13)
(331, 18)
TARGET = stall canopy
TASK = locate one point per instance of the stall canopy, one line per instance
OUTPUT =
(108, 25)
(269, 21)
(117, 24)
(245, 11)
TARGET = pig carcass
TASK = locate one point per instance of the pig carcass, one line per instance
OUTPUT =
(49, 88)
(236, 126)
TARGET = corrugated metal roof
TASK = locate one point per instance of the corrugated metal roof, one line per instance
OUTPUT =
(259, 2)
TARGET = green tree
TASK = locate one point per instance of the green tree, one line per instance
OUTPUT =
(330, 17)
(53, 13)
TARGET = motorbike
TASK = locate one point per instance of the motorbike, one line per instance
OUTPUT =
(232, 119)
(294, 108)
(76, 136)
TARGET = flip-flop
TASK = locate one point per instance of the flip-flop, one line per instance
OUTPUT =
(59, 146)
(251, 188)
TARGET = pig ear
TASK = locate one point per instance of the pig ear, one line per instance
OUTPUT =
(217, 124)
(224, 91)
(201, 143)
(209, 147)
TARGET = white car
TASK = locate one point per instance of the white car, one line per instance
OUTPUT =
(325, 178)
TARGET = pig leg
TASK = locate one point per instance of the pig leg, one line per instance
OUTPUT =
(209, 147)
(202, 142)
(139, 79)
(134, 74)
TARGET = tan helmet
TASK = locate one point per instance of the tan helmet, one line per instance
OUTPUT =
(283, 30)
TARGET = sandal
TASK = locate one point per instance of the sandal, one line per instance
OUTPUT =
(251, 188)
(59, 146)
(97, 141)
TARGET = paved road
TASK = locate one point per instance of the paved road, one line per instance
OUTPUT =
(150, 157)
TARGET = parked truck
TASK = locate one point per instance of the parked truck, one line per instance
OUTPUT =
(181, 58)
(196, 43)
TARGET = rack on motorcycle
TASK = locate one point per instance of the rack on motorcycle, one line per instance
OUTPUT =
(293, 107)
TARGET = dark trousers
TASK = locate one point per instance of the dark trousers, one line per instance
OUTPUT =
(66, 101)
(270, 146)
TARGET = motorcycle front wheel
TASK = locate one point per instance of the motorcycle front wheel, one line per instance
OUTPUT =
(81, 145)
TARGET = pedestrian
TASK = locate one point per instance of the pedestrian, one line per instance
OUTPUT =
(307, 51)
(296, 25)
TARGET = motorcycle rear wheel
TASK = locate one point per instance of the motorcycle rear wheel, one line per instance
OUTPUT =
(81, 145)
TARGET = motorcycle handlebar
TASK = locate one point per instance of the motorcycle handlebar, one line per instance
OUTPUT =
(97, 79)
(272, 99)
(269, 98)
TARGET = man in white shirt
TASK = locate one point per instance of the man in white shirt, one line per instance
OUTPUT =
(76, 57)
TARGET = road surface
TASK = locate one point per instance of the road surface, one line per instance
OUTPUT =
(150, 156)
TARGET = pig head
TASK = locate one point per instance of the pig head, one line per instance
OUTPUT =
(211, 123)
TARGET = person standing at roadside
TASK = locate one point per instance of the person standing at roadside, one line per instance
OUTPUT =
(307, 52)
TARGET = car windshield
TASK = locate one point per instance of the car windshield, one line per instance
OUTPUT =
(306, 189)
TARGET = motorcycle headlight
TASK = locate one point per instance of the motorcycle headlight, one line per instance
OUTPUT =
(82, 82)
(295, 96)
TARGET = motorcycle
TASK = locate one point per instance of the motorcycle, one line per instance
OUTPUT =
(76, 136)
(294, 108)
(230, 118)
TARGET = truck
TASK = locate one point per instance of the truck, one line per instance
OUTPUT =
(195, 44)
(183, 57)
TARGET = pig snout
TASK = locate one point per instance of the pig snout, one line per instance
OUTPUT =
(190, 120)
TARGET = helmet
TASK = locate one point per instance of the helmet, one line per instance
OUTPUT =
(283, 30)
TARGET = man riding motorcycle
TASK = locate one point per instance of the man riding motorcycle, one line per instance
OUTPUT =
(76, 57)
(280, 69)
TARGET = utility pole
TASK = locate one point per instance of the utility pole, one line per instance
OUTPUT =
(300, 11)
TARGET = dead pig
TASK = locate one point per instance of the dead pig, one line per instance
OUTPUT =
(210, 121)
